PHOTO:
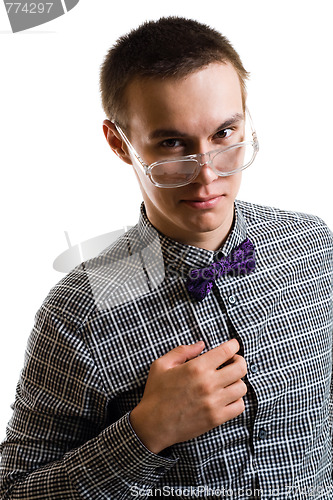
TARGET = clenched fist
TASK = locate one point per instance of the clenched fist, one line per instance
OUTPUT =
(187, 395)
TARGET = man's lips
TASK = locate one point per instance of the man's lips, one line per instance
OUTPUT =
(204, 198)
(204, 202)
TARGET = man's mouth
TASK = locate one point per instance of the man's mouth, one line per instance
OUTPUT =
(204, 202)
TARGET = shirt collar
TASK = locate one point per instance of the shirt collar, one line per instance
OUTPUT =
(180, 258)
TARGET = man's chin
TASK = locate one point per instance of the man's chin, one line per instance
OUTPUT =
(206, 222)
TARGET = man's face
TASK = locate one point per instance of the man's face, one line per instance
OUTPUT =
(177, 117)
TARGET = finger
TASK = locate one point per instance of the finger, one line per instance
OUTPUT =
(220, 354)
(180, 354)
(233, 371)
(234, 409)
(233, 392)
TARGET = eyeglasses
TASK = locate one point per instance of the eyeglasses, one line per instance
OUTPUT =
(183, 170)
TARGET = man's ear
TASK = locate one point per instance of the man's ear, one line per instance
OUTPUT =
(115, 141)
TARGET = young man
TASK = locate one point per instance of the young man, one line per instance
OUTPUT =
(192, 358)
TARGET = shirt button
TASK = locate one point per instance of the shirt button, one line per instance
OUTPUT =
(160, 470)
(254, 368)
(232, 299)
(219, 256)
(262, 434)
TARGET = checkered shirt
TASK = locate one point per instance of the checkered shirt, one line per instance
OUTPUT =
(100, 328)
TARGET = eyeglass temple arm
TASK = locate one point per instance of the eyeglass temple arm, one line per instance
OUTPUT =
(254, 133)
(130, 147)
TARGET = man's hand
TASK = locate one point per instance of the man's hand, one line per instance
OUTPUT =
(186, 395)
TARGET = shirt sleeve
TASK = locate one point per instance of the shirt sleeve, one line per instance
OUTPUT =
(62, 441)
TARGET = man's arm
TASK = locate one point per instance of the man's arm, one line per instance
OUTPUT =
(60, 441)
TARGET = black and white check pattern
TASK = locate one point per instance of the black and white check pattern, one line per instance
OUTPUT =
(100, 328)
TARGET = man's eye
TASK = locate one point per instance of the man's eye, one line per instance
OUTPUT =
(171, 143)
(223, 134)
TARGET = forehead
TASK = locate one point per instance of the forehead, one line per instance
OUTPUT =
(198, 101)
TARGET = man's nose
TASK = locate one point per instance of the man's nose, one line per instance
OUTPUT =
(206, 174)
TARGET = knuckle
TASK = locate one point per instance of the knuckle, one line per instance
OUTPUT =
(154, 365)
(233, 410)
(194, 369)
(226, 349)
(240, 364)
(243, 388)
(240, 405)
(181, 348)
(243, 365)
(204, 387)
(157, 364)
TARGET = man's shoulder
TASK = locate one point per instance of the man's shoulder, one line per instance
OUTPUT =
(254, 211)
(81, 291)
(104, 281)
(281, 222)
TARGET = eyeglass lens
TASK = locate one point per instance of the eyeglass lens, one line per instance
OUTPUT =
(175, 172)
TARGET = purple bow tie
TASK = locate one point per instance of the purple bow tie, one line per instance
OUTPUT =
(240, 261)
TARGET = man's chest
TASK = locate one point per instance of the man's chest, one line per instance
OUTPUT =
(281, 315)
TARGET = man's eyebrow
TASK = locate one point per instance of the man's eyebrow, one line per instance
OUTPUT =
(237, 117)
(165, 132)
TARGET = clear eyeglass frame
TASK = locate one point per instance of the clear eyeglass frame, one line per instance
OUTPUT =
(147, 169)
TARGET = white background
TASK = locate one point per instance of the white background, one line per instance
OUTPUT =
(58, 174)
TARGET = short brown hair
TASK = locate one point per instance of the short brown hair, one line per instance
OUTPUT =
(169, 47)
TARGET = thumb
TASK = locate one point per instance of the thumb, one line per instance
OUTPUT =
(181, 354)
